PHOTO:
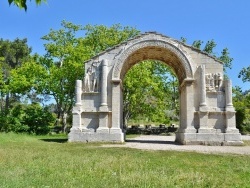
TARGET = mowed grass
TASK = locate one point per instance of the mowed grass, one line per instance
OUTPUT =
(246, 142)
(29, 161)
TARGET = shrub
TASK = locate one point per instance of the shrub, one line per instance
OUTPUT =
(240, 116)
(31, 118)
(38, 119)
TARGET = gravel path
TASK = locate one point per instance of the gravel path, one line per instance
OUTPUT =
(151, 142)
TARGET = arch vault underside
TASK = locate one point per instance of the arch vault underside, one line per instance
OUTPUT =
(154, 50)
(207, 115)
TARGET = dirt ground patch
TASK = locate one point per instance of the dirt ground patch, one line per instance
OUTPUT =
(152, 142)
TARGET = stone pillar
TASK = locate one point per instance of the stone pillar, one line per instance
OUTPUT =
(228, 92)
(202, 86)
(77, 120)
(116, 122)
(78, 92)
(116, 104)
(104, 85)
(203, 109)
(187, 104)
(186, 132)
(103, 110)
(230, 111)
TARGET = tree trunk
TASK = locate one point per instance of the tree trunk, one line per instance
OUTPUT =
(64, 122)
(7, 101)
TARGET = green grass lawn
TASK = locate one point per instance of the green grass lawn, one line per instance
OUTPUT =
(246, 142)
(49, 161)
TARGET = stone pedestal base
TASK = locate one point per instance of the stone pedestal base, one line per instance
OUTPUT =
(212, 138)
(86, 135)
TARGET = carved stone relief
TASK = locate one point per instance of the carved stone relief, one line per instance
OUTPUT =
(91, 79)
(213, 81)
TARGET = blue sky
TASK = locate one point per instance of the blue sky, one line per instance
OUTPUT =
(225, 21)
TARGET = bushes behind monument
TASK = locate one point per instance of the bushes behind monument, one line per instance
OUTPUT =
(27, 118)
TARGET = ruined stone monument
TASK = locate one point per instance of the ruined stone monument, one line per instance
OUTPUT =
(207, 115)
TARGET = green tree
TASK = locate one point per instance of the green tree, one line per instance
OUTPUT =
(23, 3)
(197, 44)
(62, 65)
(184, 40)
(55, 73)
(29, 118)
(30, 76)
(2, 83)
(209, 48)
(38, 119)
(99, 37)
(12, 55)
(225, 58)
(150, 93)
(66, 54)
(12, 121)
(241, 101)
(245, 74)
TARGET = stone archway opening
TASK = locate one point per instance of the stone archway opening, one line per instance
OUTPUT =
(150, 98)
(157, 55)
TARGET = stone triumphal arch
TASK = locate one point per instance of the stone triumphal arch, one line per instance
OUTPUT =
(207, 115)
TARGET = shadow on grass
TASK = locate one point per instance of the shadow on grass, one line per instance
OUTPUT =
(57, 140)
(152, 142)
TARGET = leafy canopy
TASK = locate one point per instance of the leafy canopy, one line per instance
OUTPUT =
(149, 92)
(55, 73)
(23, 3)
(12, 55)
(209, 48)
(245, 74)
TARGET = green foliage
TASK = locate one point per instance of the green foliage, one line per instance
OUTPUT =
(99, 37)
(14, 52)
(197, 44)
(240, 117)
(2, 83)
(245, 74)
(31, 119)
(55, 73)
(22, 3)
(38, 119)
(225, 58)
(209, 47)
(12, 55)
(149, 93)
(27, 77)
(63, 45)
(184, 40)
(12, 121)
(241, 103)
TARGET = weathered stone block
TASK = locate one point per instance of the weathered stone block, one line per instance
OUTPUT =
(233, 137)
(215, 137)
